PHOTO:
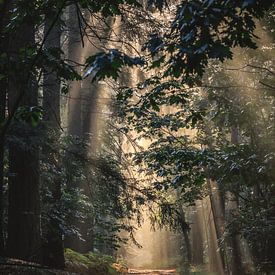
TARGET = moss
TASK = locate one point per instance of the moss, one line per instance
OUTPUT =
(73, 256)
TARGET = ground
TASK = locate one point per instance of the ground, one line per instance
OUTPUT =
(152, 272)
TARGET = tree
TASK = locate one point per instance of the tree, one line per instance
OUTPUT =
(54, 249)
(24, 201)
(3, 89)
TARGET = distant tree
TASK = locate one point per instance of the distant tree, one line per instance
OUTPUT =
(53, 254)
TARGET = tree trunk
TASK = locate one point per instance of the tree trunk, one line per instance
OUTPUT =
(234, 240)
(83, 121)
(3, 90)
(53, 248)
(74, 54)
(4, 18)
(4, 7)
(24, 240)
(197, 236)
(185, 231)
(74, 103)
(218, 217)
(217, 208)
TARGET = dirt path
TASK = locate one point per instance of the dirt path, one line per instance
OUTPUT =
(152, 271)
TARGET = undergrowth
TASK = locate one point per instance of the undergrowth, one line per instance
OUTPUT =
(92, 264)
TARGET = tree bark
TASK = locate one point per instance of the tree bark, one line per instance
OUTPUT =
(74, 54)
(74, 103)
(3, 91)
(53, 254)
(218, 217)
(24, 234)
(4, 8)
(4, 18)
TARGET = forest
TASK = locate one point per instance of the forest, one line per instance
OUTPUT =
(137, 137)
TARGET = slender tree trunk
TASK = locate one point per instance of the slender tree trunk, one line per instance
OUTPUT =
(271, 216)
(196, 236)
(185, 231)
(74, 54)
(53, 249)
(218, 217)
(234, 240)
(24, 240)
(217, 208)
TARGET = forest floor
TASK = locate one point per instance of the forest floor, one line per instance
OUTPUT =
(152, 271)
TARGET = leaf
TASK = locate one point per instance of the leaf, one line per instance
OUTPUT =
(31, 115)
(109, 64)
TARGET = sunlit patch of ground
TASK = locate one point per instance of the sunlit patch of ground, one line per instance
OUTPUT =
(165, 272)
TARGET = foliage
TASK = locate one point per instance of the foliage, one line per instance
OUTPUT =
(94, 192)
(90, 263)
(203, 30)
(30, 115)
(109, 64)
(192, 108)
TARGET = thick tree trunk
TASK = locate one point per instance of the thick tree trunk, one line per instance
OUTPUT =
(24, 210)
(3, 90)
(74, 103)
(24, 240)
(4, 17)
(53, 248)
(4, 7)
